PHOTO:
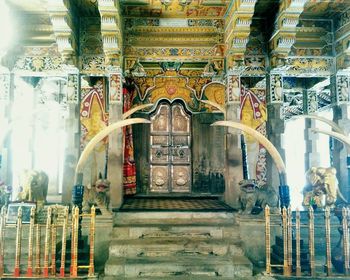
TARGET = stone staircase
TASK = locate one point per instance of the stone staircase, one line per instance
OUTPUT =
(176, 245)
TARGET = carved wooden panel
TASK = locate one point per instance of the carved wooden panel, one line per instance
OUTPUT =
(161, 120)
(159, 178)
(181, 178)
(180, 120)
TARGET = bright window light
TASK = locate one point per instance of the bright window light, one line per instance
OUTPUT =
(295, 163)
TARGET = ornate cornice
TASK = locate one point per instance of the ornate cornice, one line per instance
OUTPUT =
(62, 23)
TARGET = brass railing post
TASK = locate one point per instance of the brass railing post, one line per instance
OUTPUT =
(92, 242)
(47, 243)
(53, 249)
(289, 240)
(74, 260)
(345, 240)
(37, 249)
(286, 271)
(64, 242)
(2, 239)
(17, 271)
(312, 241)
(268, 239)
(297, 240)
(72, 240)
(327, 222)
(30, 243)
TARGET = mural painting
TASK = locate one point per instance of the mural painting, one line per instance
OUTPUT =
(93, 119)
(253, 114)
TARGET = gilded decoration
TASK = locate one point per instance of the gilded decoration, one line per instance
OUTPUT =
(186, 85)
(171, 88)
(214, 92)
(158, 53)
(38, 63)
(309, 66)
(253, 113)
(175, 10)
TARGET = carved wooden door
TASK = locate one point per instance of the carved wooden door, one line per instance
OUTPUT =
(170, 149)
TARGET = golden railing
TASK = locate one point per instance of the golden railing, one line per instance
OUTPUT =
(288, 227)
(53, 229)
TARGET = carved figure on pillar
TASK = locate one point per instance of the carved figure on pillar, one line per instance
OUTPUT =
(253, 199)
(97, 195)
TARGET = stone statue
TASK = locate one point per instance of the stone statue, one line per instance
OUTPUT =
(97, 195)
(34, 187)
(253, 198)
(322, 188)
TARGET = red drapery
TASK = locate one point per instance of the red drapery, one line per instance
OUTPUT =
(129, 167)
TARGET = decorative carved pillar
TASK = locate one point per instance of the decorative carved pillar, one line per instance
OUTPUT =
(233, 164)
(312, 157)
(6, 91)
(115, 144)
(275, 122)
(72, 128)
(341, 115)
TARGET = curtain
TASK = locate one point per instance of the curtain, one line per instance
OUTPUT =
(129, 167)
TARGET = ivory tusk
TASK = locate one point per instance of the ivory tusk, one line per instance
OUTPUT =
(135, 109)
(339, 136)
(102, 134)
(335, 126)
(259, 137)
(214, 104)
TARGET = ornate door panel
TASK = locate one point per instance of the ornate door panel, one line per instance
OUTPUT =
(170, 149)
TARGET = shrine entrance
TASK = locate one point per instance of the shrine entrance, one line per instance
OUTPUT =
(170, 149)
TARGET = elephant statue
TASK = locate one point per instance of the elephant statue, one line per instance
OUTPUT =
(34, 187)
(253, 198)
(97, 195)
(322, 188)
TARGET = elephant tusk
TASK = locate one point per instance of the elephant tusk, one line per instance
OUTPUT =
(262, 139)
(332, 124)
(216, 105)
(339, 136)
(99, 136)
(135, 109)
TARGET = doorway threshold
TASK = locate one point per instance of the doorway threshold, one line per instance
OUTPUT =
(196, 204)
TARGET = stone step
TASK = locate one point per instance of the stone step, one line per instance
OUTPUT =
(157, 247)
(181, 277)
(198, 231)
(173, 218)
(238, 266)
